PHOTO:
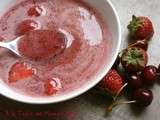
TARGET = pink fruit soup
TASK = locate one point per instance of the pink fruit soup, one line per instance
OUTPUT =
(75, 60)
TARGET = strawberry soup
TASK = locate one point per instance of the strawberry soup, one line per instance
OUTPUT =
(65, 46)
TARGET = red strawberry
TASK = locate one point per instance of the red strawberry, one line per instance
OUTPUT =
(134, 59)
(1, 38)
(26, 26)
(20, 71)
(35, 11)
(112, 82)
(51, 86)
(141, 28)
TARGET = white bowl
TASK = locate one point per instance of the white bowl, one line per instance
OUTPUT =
(110, 16)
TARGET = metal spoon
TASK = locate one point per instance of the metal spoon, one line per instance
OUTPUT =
(12, 45)
(48, 43)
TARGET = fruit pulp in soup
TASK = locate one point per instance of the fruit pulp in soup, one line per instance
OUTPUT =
(86, 46)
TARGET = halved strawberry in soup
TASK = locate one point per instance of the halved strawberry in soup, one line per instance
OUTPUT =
(26, 26)
(20, 71)
(35, 11)
(52, 86)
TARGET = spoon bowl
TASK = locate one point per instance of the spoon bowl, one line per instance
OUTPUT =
(37, 44)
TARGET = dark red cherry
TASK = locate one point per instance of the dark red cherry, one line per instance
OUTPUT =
(158, 69)
(134, 81)
(142, 97)
(158, 73)
(149, 74)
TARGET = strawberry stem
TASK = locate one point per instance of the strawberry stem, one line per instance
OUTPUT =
(134, 25)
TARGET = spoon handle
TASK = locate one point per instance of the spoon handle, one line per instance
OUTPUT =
(4, 44)
(11, 46)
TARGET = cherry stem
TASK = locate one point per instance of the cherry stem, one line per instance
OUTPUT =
(114, 104)
(120, 90)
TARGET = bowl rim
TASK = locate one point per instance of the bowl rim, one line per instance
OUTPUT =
(78, 92)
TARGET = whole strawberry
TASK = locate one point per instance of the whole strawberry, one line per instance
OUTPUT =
(141, 28)
(134, 59)
(112, 82)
